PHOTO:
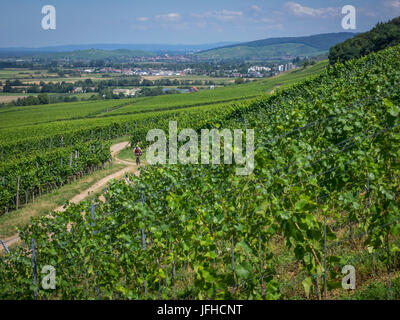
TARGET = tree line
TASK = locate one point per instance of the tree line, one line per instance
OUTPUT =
(88, 85)
(382, 36)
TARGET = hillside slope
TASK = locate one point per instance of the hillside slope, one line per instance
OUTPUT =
(51, 120)
(96, 54)
(383, 35)
(323, 194)
(277, 47)
(47, 135)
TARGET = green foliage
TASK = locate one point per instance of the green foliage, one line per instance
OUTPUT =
(239, 81)
(315, 139)
(382, 36)
(43, 170)
(83, 121)
(377, 291)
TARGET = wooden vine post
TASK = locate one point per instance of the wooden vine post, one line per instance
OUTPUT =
(17, 197)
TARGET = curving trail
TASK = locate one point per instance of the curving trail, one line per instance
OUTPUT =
(115, 150)
(130, 167)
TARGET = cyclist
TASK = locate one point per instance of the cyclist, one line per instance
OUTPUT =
(138, 152)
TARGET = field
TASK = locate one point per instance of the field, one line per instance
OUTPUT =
(194, 78)
(12, 117)
(20, 122)
(35, 76)
(9, 98)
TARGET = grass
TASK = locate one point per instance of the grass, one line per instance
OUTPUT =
(29, 76)
(377, 290)
(8, 99)
(370, 284)
(120, 139)
(217, 80)
(13, 73)
(30, 115)
(127, 154)
(7, 94)
(50, 201)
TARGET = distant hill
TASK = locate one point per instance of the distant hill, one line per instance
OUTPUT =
(275, 48)
(382, 36)
(157, 48)
(154, 48)
(95, 54)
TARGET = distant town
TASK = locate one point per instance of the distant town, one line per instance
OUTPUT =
(252, 72)
(72, 76)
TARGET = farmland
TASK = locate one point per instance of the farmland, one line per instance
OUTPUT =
(9, 98)
(31, 115)
(37, 75)
(239, 92)
(58, 118)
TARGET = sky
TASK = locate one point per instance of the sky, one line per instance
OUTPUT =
(180, 21)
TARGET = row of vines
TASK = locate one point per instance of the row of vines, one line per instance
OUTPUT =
(24, 177)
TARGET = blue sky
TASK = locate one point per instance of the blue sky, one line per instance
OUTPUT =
(180, 21)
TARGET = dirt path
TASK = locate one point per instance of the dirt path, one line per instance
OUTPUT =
(115, 149)
(130, 167)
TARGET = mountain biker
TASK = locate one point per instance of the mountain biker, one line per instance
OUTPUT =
(138, 153)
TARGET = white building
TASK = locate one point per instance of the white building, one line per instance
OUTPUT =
(126, 92)
(255, 69)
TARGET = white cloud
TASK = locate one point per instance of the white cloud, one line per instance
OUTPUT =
(223, 15)
(143, 19)
(256, 8)
(170, 17)
(299, 10)
(267, 20)
(393, 4)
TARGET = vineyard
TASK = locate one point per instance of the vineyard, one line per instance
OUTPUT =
(44, 171)
(52, 121)
(324, 194)
(39, 143)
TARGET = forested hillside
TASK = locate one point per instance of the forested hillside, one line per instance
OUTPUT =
(278, 47)
(384, 35)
